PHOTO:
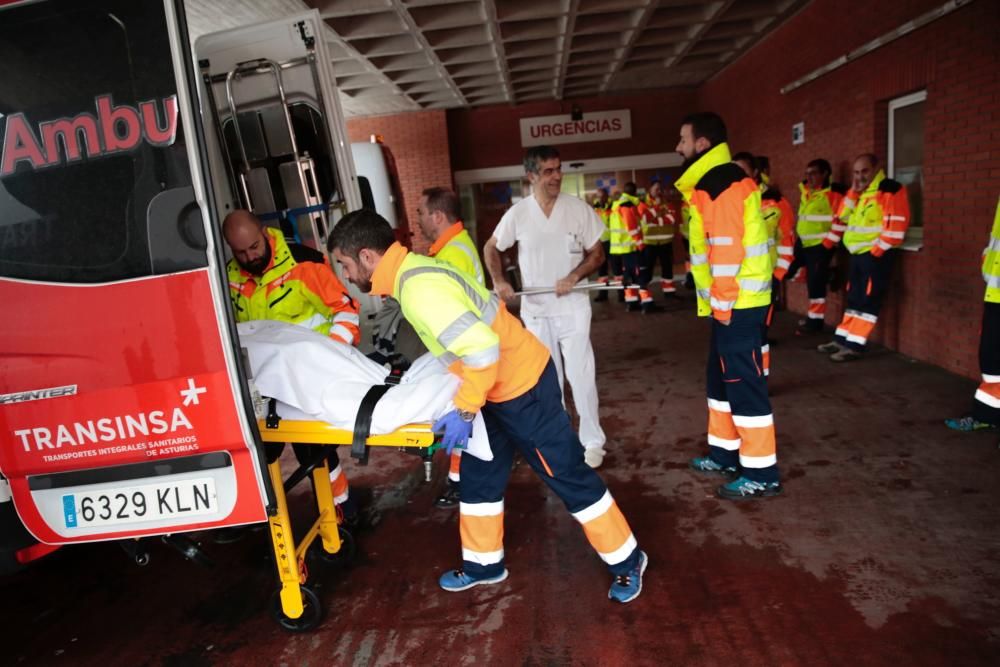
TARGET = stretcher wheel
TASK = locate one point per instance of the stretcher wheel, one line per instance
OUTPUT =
(312, 611)
(343, 558)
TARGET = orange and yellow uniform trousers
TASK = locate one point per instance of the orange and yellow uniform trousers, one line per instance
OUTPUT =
(875, 223)
(507, 374)
(732, 267)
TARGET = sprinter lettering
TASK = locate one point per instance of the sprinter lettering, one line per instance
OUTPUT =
(113, 129)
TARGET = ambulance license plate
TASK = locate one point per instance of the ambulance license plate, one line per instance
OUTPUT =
(147, 502)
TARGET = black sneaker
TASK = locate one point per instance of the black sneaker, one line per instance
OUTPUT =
(450, 498)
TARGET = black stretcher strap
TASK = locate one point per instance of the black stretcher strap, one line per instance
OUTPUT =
(363, 421)
(273, 418)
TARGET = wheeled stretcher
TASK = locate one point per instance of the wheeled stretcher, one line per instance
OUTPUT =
(295, 606)
(328, 394)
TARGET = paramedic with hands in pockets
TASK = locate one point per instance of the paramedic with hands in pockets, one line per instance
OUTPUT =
(271, 279)
(506, 374)
(558, 244)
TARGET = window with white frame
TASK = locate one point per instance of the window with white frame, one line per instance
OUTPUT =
(906, 152)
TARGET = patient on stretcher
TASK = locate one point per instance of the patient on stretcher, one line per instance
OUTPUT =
(315, 378)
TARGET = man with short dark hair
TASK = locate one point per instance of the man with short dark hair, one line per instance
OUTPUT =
(439, 216)
(876, 212)
(819, 201)
(732, 267)
(558, 241)
(508, 375)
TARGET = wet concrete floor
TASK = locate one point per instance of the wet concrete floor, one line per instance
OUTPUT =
(885, 548)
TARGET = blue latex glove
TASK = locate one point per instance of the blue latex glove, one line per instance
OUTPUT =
(454, 431)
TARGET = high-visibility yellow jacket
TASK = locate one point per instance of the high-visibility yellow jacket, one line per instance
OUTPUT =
(603, 210)
(685, 226)
(991, 262)
(455, 247)
(464, 325)
(730, 258)
(876, 220)
(780, 222)
(817, 209)
(658, 221)
(624, 226)
(298, 287)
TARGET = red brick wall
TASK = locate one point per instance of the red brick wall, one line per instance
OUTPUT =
(419, 143)
(491, 136)
(935, 305)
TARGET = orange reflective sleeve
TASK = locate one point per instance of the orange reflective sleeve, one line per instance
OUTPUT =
(841, 215)
(895, 220)
(476, 382)
(786, 240)
(327, 294)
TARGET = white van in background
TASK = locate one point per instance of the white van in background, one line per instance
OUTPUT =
(378, 181)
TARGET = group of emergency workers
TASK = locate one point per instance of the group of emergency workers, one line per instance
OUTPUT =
(742, 240)
(638, 239)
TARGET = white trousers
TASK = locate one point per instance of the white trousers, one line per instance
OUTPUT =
(568, 340)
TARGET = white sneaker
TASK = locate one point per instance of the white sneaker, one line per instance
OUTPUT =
(594, 456)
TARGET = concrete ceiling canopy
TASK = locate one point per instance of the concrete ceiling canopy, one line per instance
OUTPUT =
(405, 55)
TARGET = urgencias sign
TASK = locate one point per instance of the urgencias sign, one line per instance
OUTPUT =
(594, 126)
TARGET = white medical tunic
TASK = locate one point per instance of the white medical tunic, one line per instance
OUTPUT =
(549, 248)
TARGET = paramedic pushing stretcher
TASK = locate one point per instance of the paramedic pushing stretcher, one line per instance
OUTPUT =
(270, 279)
(507, 374)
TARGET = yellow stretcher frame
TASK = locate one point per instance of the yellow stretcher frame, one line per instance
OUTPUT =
(289, 557)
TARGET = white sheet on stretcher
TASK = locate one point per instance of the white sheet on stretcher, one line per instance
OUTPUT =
(315, 378)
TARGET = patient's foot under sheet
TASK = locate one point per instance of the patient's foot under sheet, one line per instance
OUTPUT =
(316, 378)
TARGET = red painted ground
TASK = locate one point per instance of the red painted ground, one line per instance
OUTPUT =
(884, 550)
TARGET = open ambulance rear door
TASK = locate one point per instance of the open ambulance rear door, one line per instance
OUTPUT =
(122, 408)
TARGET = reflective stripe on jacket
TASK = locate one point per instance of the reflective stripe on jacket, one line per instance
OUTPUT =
(817, 209)
(624, 226)
(455, 247)
(991, 261)
(879, 220)
(657, 222)
(780, 222)
(298, 287)
(464, 325)
(730, 259)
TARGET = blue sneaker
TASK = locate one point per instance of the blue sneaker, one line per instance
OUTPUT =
(454, 581)
(743, 488)
(968, 424)
(708, 465)
(626, 587)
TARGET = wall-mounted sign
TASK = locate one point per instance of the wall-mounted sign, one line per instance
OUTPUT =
(798, 134)
(594, 126)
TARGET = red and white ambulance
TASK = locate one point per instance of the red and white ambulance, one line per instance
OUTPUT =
(124, 409)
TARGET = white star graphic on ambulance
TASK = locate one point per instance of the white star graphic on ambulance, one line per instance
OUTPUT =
(191, 393)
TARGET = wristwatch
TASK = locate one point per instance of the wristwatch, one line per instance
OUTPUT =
(466, 416)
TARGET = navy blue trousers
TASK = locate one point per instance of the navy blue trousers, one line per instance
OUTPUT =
(536, 424)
